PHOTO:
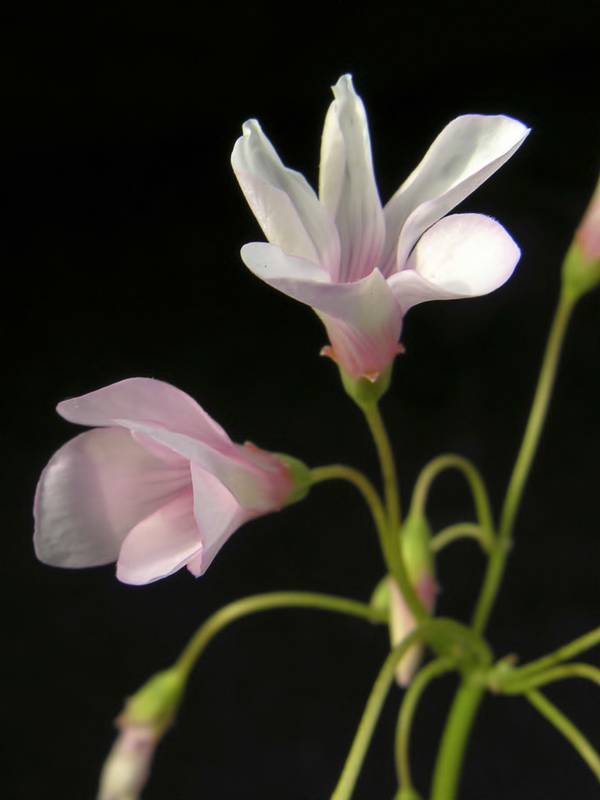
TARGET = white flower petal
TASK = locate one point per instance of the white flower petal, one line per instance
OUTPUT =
(362, 318)
(463, 255)
(347, 185)
(94, 490)
(356, 302)
(218, 514)
(284, 204)
(255, 487)
(160, 544)
(145, 400)
(463, 156)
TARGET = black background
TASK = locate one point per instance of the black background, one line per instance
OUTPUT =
(122, 227)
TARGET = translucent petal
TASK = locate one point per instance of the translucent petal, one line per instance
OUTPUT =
(256, 488)
(93, 491)
(347, 185)
(160, 544)
(465, 154)
(283, 202)
(462, 255)
(218, 515)
(362, 318)
(144, 400)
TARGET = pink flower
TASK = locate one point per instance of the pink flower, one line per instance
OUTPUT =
(361, 266)
(158, 487)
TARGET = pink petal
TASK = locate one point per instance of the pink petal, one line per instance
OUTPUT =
(253, 485)
(362, 318)
(160, 544)
(145, 400)
(93, 491)
(218, 515)
(284, 204)
(464, 155)
(347, 185)
(463, 255)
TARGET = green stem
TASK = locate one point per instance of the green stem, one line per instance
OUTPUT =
(579, 645)
(388, 466)
(455, 738)
(264, 602)
(537, 416)
(366, 727)
(452, 461)
(462, 530)
(392, 505)
(405, 718)
(459, 643)
(520, 685)
(370, 495)
(568, 730)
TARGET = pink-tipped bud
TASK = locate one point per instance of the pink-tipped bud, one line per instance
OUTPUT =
(415, 542)
(581, 267)
(127, 767)
(144, 720)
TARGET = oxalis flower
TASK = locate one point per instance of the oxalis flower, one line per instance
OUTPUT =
(361, 266)
(158, 487)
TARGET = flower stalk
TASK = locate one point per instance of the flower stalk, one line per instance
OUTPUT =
(537, 416)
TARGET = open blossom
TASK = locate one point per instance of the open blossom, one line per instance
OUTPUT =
(157, 487)
(361, 266)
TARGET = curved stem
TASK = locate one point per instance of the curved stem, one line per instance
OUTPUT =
(452, 461)
(579, 645)
(264, 602)
(459, 642)
(559, 673)
(407, 711)
(366, 727)
(455, 738)
(564, 725)
(369, 493)
(392, 506)
(462, 530)
(537, 416)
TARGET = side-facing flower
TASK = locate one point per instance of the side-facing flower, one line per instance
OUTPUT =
(361, 266)
(157, 486)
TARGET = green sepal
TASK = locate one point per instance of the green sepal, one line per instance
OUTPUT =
(364, 391)
(300, 475)
(156, 702)
(380, 599)
(415, 541)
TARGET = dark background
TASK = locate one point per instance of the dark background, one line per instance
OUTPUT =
(121, 230)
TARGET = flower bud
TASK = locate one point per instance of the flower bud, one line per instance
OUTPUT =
(415, 543)
(144, 720)
(581, 267)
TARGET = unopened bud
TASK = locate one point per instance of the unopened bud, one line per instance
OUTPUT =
(145, 718)
(581, 267)
(418, 559)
